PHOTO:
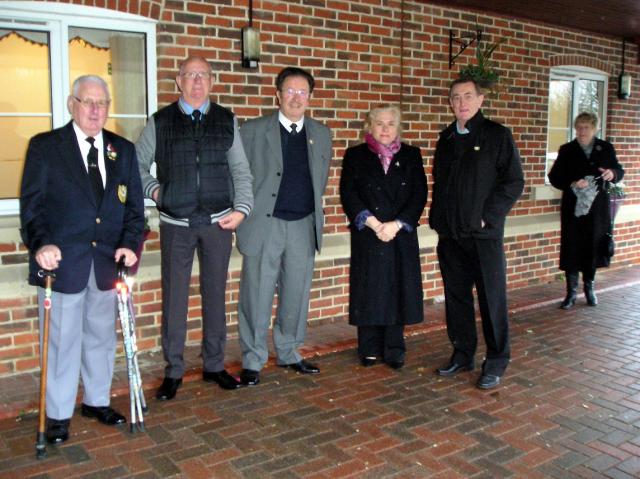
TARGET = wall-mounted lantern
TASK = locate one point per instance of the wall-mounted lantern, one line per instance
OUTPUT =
(250, 42)
(624, 79)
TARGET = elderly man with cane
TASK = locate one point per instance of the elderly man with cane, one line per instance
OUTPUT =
(81, 210)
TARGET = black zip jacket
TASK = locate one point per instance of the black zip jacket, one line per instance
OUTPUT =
(476, 177)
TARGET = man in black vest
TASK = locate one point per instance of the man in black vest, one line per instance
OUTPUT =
(203, 191)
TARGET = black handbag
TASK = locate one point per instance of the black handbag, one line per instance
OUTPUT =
(609, 247)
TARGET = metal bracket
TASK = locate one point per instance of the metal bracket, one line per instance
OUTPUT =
(463, 41)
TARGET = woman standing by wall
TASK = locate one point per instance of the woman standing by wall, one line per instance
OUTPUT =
(583, 168)
(383, 189)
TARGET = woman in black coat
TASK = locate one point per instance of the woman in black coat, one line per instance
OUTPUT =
(383, 189)
(584, 239)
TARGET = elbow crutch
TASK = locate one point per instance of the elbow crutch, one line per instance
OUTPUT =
(138, 404)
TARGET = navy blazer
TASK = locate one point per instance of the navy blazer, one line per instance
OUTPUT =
(57, 206)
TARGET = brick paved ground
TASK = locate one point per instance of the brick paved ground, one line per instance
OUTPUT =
(569, 408)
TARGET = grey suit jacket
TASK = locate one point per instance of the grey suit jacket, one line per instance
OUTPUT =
(261, 140)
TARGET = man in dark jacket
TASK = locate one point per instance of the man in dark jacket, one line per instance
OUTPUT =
(81, 210)
(203, 191)
(477, 179)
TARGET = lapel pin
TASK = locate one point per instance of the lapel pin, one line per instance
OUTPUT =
(397, 163)
(112, 154)
(598, 147)
(311, 141)
(476, 148)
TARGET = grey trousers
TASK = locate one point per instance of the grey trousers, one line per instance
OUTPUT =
(177, 247)
(286, 263)
(82, 342)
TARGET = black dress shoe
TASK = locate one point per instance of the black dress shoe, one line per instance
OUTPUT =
(222, 378)
(249, 377)
(104, 414)
(168, 389)
(395, 364)
(302, 367)
(368, 361)
(57, 430)
(452, 369)
(488, 381)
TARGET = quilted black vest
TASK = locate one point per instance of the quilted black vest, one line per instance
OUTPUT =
(191, 161)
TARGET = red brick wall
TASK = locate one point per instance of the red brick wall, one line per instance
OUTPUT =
(363, 52)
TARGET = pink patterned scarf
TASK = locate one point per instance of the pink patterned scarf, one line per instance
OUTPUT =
(384, 152)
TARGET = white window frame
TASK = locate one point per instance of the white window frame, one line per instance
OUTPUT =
(56, 18)
(573, 74)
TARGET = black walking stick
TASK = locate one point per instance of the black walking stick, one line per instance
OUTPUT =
(41, 449)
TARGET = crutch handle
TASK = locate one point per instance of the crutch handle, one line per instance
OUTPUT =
(46, 274)
(122, 271)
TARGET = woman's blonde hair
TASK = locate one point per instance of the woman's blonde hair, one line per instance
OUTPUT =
(586, 117)
(375, 111)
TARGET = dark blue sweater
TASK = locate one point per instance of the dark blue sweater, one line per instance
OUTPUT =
(295, 196)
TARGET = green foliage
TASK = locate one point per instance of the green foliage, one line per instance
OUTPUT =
(616, 190)
(484, 72)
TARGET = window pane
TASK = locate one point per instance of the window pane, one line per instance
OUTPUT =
(560, 95)
(25, 100)
(557, 138)
(590, 94)
(130, 128)
(16, 133)
(119, 58)
(560, 92)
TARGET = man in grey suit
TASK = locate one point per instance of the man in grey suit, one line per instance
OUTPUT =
(289, 155)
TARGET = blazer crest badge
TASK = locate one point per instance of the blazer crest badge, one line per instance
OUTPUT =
(122, 193)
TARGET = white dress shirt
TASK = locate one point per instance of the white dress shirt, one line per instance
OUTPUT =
(85, 146)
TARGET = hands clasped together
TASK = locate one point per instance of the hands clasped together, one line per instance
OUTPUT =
(384, 231)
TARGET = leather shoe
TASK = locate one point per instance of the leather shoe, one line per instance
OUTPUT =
(168, 389)
(488, 381)
(249, 377)
(57, 430)
(104, 414)
(302, 367)
(395, 364)
(368, 361)
(222, 378)
(452, 369)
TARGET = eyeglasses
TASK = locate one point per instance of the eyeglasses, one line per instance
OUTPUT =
(293, 91)
(194, 75)
(89, 103)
